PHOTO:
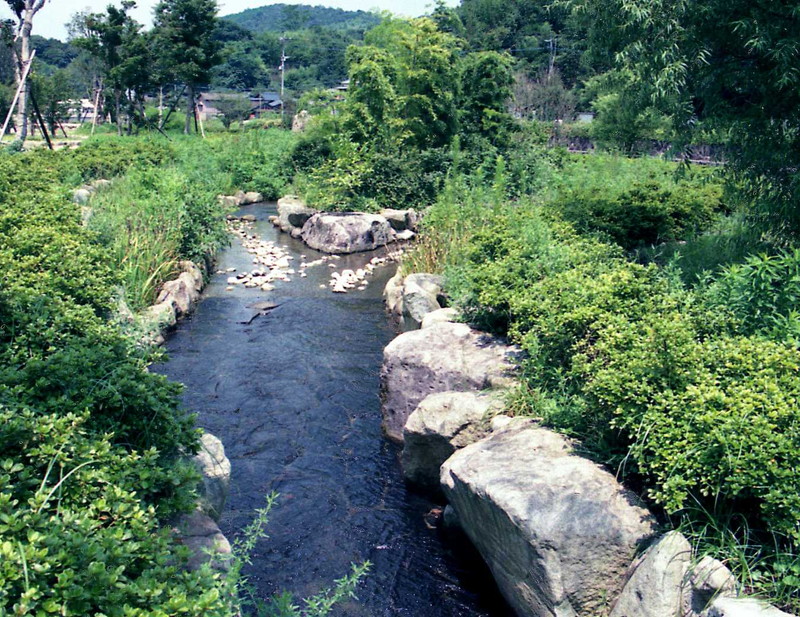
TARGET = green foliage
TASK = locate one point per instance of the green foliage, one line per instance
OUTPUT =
(76, 534)
(282, 17)
(728, 67)
(691, 393)
(411, 98)
(645, 203)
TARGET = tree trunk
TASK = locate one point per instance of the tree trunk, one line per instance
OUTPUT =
(24, 59)
(117, 111)
(189, 109)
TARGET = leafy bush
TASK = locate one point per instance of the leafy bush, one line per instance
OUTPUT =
(691, 393)
(641, 206)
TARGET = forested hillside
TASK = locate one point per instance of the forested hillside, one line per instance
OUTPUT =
(285, 17)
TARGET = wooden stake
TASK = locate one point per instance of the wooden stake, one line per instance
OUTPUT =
(21, 85)
(41, 120)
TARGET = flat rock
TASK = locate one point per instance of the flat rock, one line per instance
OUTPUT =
(347, 232)
(444, 357)
(441, 424)
(557, 531)
(655, 586)
(215, 469)
(742, 607)
(444, 315)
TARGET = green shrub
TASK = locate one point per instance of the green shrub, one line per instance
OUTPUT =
(636, 203)
(76, 537)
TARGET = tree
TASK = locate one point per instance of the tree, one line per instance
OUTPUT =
(52, 93)
(184, 33)
(25, 10)
(234, 109)
(730, 66)
(115, 40)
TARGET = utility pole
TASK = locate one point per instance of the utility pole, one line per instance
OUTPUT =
(553, 43)
(284, 58)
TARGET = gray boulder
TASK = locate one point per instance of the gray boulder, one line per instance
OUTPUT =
(182, 292)
(160, 315)
(742, 607)
(441, 424)
(253, 197)
(707, 580)
(206, 543)
(81, 196)
(557, 531)
(444, 357)
(215, 469)
(401, 220)
(393, 294)
(654, 588)
(293, 212)
(445, 315)
(347, 232)
(421, 293)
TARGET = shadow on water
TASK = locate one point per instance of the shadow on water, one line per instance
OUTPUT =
(293, 395)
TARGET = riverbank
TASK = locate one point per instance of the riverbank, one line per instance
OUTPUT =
(611, 345)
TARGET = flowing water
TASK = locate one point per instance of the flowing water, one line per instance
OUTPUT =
(293, 395)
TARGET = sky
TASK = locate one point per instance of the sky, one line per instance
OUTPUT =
(50, 20)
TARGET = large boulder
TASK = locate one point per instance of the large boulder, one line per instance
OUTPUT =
(707, 580)
(655, 586)
(293, 213)
(557, 531)
(206, 543)
(347, 232)
(422, 293)
(742, 607)
(183, 292)
(215, 469)
(300, 121)
(441, 424)
(401, 220)
(446, 356)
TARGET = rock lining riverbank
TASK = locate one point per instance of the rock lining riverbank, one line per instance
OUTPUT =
(560, 535)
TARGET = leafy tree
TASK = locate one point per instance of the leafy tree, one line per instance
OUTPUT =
(233, 109)
(732, 66)
(115, 40)
(485, 90)
(52, 93)
(543, 98)
(184, 32)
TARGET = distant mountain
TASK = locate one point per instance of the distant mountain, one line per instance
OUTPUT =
(286, 17)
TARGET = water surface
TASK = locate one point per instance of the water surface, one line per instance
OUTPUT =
(293, 395)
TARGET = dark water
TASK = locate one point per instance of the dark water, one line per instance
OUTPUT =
(293, 395)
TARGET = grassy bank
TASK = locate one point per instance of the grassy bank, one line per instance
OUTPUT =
(682, 379)
(90, 441)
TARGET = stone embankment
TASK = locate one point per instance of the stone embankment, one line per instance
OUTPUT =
(561, 536)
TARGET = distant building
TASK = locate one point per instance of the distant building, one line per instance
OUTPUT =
(261, 103)
(266, 101)
(585, 116)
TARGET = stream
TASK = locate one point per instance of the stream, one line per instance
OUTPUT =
(293, 395)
